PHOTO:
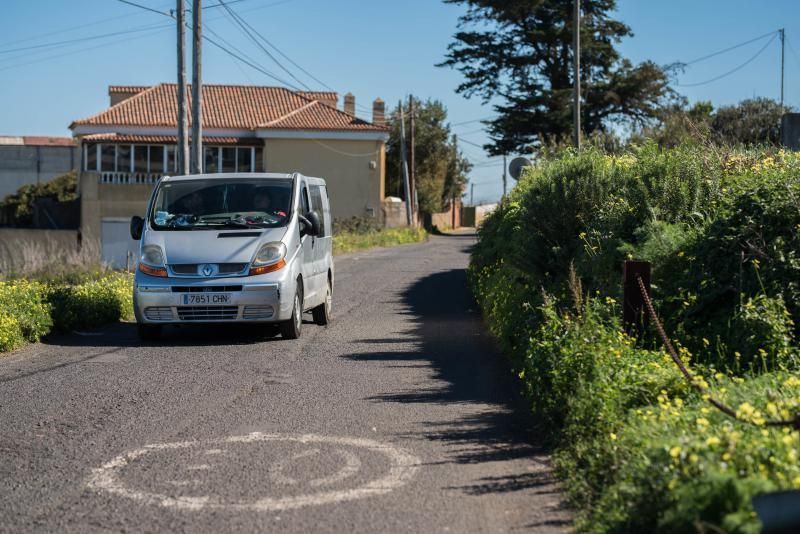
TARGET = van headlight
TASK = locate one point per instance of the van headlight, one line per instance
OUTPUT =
(270, 257)
(152, 261)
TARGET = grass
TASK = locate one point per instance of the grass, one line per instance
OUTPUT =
(352, 241)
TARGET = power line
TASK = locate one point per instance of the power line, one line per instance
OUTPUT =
(81, 39)
(472, 121)
(247, 31)
(462, 140)
(94, 47)
(734, 47)
(67, 30)
(732, 70)
(278, 50)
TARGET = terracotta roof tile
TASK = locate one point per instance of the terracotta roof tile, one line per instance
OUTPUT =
(317, 116)
(36, 140)
(127, 88)
(232, 107)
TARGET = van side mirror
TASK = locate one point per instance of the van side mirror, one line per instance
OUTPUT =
(309, 225)
(316, 225)
(137, 226)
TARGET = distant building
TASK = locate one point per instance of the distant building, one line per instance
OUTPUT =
(31, 159)
(126, 148)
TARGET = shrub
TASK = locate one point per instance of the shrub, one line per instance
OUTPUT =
(24, 309)
(637, 449)
(93, 303)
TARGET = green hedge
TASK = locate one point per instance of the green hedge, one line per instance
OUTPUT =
(32, 309)
(637, 450)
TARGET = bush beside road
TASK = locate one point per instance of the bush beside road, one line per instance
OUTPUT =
(637, 448)
(30, 310)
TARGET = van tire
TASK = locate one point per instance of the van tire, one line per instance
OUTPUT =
(149, 332)
(292, 328)
(322, 313)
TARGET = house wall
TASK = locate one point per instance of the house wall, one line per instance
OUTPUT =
(353, 170)
(24, 164)
(99, 201)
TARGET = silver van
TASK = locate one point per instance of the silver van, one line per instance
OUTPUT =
(234, 248)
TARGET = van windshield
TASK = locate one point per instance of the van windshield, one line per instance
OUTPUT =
(206, 204)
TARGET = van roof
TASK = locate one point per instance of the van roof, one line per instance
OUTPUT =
(223, 175)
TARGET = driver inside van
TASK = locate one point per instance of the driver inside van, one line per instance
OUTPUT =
(262, 202)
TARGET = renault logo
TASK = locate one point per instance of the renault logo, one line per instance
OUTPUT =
(207, 269)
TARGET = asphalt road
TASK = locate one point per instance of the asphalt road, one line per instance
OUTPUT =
(398, 417)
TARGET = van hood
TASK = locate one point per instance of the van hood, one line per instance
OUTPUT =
(206, 246)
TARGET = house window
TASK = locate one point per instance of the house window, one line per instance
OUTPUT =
(229, 159)
(123, 158)
(172, 162)
(139, 158)
(244, 159)
(259, 156)
(211, 159)
(157, 159)
(108, 158)
(90, 162)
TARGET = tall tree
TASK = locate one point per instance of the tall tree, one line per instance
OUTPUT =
(441, 169)
(519, 53)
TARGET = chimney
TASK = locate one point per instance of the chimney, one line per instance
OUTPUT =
(378, 112)
(120, 93)
(350, 104)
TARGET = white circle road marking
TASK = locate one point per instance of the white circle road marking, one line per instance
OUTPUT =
(403, 468)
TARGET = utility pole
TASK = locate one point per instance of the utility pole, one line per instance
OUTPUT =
(783, 47)
(182, 150)
(505, 171)
(472, 194)
(197, 87)
(412, 167)
(577, 74)
(453, 192)
(406, 186)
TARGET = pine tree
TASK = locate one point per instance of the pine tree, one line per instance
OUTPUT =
(518, 54)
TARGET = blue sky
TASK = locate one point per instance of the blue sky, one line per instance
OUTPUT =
(368, 47)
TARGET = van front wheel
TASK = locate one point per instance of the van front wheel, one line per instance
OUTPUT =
(322, 313)
(292, 328)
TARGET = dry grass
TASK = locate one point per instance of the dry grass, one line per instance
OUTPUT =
(48, 258)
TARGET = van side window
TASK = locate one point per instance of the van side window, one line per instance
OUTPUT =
(317, 206)
(304, 200)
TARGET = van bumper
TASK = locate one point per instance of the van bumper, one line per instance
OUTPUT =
(252, 299)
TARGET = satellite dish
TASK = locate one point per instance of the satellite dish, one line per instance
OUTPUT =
(516, 166)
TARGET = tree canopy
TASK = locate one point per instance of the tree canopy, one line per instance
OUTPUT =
(441, 170)
(518, 54)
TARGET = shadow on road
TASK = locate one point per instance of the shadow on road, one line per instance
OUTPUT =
(450, 339)
(124, 335)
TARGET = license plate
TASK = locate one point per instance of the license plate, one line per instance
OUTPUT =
(207, 298)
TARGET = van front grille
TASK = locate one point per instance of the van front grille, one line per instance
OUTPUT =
(257, 312)
(158, 313)
(190, 269)
(207, 313)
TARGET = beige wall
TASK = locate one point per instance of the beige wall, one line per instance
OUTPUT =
(354, 187)
(109, 200)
